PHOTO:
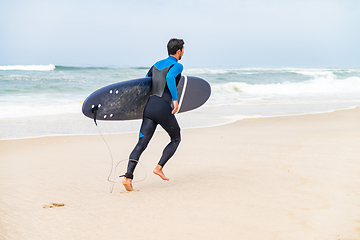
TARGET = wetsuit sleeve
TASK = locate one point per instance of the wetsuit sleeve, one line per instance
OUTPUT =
(170, 79)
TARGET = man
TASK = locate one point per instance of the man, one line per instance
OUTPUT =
(160, 109)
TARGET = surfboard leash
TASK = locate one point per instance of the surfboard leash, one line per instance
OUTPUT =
(111, 156)
(123, 175)
(94, 111)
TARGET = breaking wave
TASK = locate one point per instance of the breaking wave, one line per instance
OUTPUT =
(49, 67)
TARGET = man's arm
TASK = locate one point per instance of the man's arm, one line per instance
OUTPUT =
(170, 79)
(176, 107)
(171, 83)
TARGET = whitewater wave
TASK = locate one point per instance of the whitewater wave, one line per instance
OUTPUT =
(39, 109)
(309, 72)
(322, 85)
(74, 68)
(49, 67)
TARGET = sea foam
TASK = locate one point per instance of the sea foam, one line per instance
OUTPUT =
(320, 85)
(49, 67)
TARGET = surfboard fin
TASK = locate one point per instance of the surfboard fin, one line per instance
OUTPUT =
(94, 111)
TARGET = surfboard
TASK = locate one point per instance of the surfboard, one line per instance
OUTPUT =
(126, 100)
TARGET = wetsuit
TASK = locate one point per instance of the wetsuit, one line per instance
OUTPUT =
(165, 75)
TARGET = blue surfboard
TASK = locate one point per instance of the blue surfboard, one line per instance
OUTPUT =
(126, 100)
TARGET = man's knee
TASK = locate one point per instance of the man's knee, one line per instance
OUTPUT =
(176, 140)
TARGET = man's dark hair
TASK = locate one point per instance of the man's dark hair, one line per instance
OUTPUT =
(174, 44)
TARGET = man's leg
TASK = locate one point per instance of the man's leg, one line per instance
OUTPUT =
(147, 130)
(171, 126)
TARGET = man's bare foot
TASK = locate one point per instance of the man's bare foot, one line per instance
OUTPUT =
(127, 184)
(158, 171)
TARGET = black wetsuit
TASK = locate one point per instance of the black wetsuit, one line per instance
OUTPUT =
(165, 76)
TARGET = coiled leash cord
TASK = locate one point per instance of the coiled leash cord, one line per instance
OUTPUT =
(94, 110)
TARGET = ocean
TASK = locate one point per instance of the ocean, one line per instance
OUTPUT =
(46, 100)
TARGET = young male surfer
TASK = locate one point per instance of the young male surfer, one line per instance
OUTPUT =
(160, 109)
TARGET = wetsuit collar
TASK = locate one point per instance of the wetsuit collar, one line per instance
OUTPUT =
(171, 57)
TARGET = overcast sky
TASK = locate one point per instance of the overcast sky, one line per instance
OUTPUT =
(134, 33)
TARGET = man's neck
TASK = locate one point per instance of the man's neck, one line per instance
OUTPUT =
(175, 56)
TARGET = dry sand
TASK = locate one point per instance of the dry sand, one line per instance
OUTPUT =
(279, 178)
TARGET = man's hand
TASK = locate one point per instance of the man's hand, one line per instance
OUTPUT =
(176, 107)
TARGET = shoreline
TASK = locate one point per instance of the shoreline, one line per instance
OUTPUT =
(234, 120)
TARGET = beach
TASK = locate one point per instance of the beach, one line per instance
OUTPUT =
(272, 153)
(290, 177)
